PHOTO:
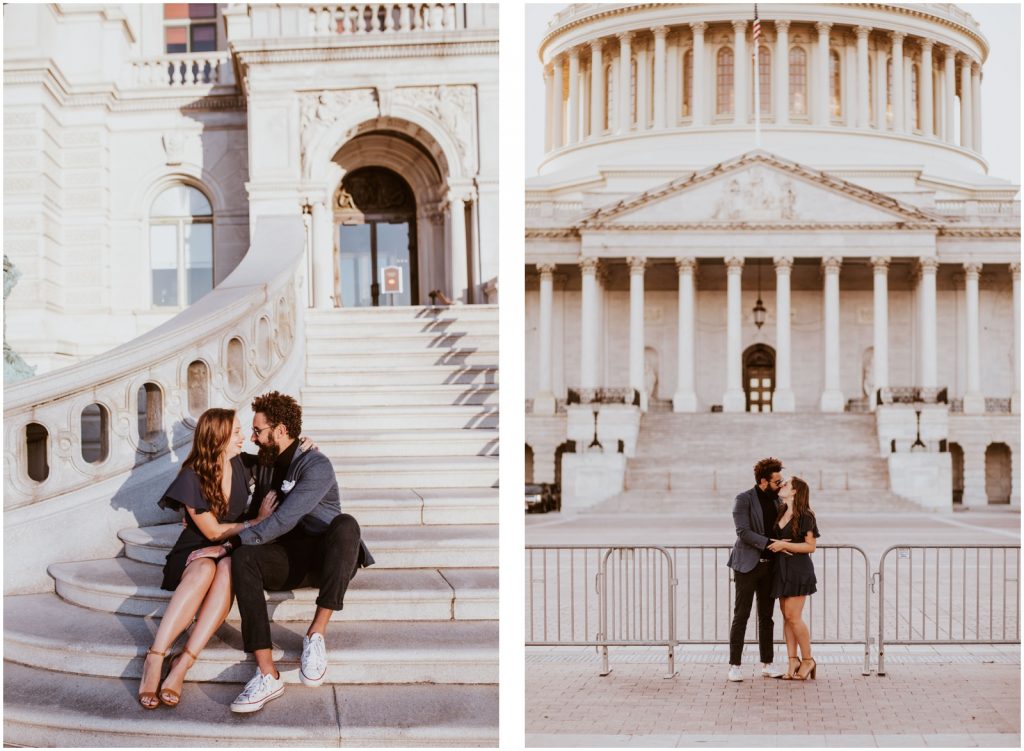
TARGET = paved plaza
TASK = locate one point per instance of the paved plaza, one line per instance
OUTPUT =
(949, 695)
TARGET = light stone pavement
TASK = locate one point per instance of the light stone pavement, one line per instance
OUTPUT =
(951, 696)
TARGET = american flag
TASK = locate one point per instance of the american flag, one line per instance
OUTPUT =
(757, 27)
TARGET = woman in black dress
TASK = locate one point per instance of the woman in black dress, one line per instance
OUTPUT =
(213, 489)
(796, 530)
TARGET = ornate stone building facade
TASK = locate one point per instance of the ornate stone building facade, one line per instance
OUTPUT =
(843, 250)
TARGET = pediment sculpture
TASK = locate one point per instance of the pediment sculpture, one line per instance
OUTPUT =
(755, 195)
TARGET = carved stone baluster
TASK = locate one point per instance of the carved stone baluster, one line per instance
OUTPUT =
(389, 17)
(449, 16)
(405, 18)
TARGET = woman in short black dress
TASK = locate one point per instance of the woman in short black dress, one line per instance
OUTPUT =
(212, 489)
(796, 530)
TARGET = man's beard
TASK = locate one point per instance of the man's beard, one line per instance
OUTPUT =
(268, 454)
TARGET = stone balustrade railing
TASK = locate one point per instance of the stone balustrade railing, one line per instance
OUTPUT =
(196, 69)
(89, 448)
(384, 18)
(959, 207)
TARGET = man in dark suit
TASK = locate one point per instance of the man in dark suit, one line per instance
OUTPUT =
(754, 514)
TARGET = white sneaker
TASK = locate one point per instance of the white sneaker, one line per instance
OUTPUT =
(314, 660)
(258, 691)
(768, 670)
(735, 673)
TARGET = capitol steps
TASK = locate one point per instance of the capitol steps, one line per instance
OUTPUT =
(412, 434)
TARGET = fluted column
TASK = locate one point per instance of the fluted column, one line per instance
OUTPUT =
(625, 58)
(781, 108)
(636, 327)
(589, 323)
(880, 264)
(832, 396)
(880, 84)
(660, 92)
(549, 107)
(699, 94)
(863, 89)
(685, 398)
(460, 268)
(929, 327)
(974, 401)
(924, 89)
(783, 400)
(597, 103)
(741, 74)
(557, 127)
(734, 399)
(823, 100)
(949, 81)
(898, 123)
(544, 401)
(976, 105)
(1015, 398)
(574, 97)
(965, 103)
(323, 257)
(643, 88)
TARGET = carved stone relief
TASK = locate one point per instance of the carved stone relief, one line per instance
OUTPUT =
(757, 196)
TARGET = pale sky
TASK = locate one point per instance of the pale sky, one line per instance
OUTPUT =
(1000, 90)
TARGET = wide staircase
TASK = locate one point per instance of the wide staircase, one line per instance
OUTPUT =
(687, 463)
(404, 402)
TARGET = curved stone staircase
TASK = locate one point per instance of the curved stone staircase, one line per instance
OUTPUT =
(409, 420)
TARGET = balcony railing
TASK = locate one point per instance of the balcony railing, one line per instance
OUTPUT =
(185, 70)
(363, 19)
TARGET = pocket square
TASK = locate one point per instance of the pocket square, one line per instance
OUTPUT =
(287, 485)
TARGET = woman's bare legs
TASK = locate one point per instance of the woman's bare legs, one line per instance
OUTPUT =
(212, 612)
(792, 611)
(180, 610)
(790, 638)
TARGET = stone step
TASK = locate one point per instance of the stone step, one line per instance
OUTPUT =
(407, 376)
(854, 474)
(823, 502)
(391, 395)
(103, 712)
(393, 547)
(330, 326)
(44, 631)
(130, 587)
(386, 347)
(405, 312)
(343, 446)
(363, 361)
(400, 417)
(401, 506)
(418, 472)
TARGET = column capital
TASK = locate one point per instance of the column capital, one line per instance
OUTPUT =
(637, 264)
(976, 67)
(660, 31)
(964, 58)
(881, 264)
(739, 26)
(782, 26)
(897, 38)
(686, 263)
(972, 269)
(862, 31)
(734, 263)
(823, 28)
(926, 44)
(573, 53)
(831, 264)
(589, 265)
(546, 269)
(1015, 270)
(624, 37)
(783, 264)
(928, 265)
(699, 28)
(596, 45)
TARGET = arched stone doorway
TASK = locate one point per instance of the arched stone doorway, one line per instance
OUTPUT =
(759, 377)
(957, 455)
(997, 473)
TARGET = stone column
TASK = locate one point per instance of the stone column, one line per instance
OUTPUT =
(966, 137)
(924, 89)
(863, 88)
(323, 257)
(974, 400)
(976, 105)
(636, 327)
(783, 400)
(832, 396)
(741, 75)
(660, 93)
(557, 128)
(685, 398)
(643, 88)
(880, 84)
(699, 94)
(1015, 398)
(974, 475)
(897, 81)
(597, 103)
(880, 264)
(549, 107)
(949, 79)
(460, 269)
(734, 399)
(823, 100)
(929, 328)
(782, 72)
(544, 401)
(589, 323)
(574, 97)
(625, 75)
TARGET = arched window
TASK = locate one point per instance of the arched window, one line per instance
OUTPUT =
(609, 95)
(798, 81)
(180, 246)
(915, 95)
(632, 91)
(835, 84)
(888, 92)
(764, 67)
(688, 83)
(725, 79)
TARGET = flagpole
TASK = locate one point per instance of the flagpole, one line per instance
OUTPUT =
(757, 81)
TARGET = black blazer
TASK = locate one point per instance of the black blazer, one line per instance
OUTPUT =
(751, 531)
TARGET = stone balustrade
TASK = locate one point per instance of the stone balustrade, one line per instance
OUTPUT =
(360, 19)
(196, 69)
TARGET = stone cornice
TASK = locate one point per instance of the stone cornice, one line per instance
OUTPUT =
(554, 233)
(981, 232)
(304, 51)
(727, 227)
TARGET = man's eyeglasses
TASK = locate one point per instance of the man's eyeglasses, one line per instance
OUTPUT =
(256, 431)
(776, 483)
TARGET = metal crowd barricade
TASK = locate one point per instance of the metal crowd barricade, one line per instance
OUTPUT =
(948, 594)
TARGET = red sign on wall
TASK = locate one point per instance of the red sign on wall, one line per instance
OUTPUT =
(392, 280)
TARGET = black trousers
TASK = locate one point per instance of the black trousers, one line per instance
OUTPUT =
(294, 560)
(759, 582)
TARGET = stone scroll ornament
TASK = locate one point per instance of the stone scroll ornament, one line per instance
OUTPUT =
(15, 368)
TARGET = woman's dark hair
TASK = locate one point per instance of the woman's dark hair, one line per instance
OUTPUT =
(765, 468)
(210, 439)
(280, 409)
(801, 503)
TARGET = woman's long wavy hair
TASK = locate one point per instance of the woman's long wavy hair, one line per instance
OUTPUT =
(209, 441)
(801, 503)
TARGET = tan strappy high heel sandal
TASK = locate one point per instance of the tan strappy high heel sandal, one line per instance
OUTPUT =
(149, 699)
(169, 696)
(791, 670)
(810, 672)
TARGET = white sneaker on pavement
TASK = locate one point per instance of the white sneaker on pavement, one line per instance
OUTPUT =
(735, 673)
(258, 691)
(313, 667)
(768, 670)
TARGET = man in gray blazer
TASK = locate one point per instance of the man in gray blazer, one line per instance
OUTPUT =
(754, 514)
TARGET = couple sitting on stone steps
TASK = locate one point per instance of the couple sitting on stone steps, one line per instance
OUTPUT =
(277, 523)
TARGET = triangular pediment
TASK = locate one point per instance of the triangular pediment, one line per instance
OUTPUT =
(757, 189)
